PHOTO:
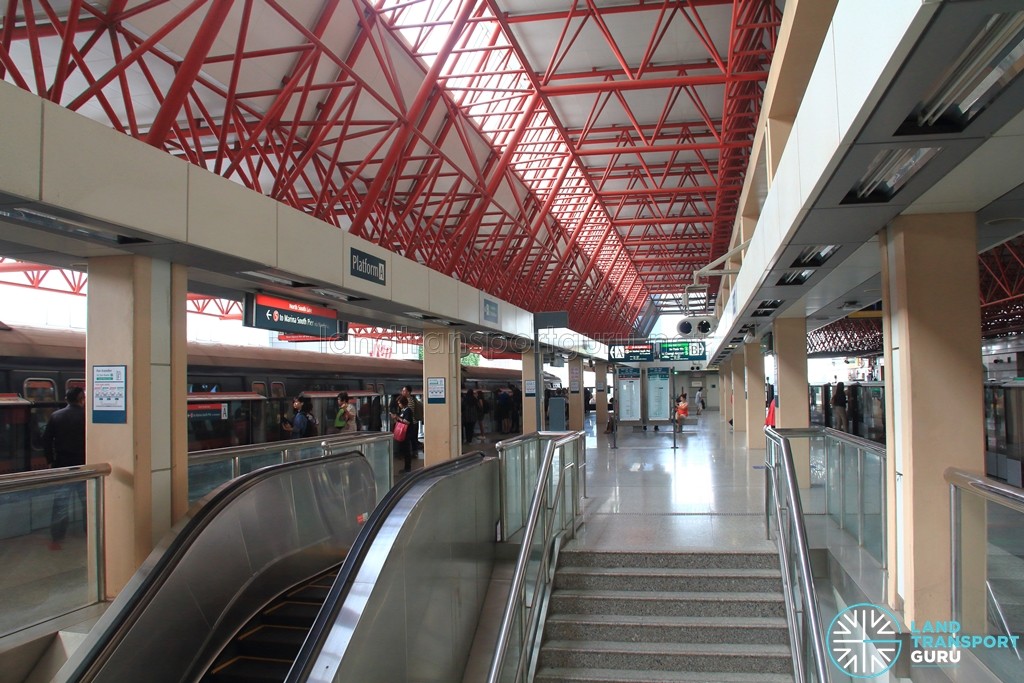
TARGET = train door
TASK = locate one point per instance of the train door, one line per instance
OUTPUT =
(42, 392)
(15, 443)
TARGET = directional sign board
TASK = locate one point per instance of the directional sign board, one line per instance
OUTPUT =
(273, 313)
(683, 350)
(631, 353)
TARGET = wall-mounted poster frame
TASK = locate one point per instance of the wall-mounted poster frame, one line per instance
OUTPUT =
(109, 403)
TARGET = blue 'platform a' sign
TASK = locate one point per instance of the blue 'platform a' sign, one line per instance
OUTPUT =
(368, 267)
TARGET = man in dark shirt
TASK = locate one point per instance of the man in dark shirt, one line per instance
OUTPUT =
(64, 446)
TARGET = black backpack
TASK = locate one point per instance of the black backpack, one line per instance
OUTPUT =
(312, 426)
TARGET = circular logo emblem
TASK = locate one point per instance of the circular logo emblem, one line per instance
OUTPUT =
(276, 316)
(863, 641)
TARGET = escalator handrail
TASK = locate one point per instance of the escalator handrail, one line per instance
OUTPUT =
(128, 605)
(339, 591)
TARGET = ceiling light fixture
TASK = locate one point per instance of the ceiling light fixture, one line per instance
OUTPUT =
(993, 59)
(888, 172)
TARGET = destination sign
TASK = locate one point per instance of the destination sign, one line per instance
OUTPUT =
(281, 315)
(631, 353)
(683, 350)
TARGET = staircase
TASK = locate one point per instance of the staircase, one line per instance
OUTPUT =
(666, 617)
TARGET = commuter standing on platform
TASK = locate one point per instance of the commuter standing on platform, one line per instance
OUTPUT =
(299, 426)
(346, 419)
(404, 414)
(839, 420)
(417, 417)
(64, 446)
(470, 414)
(698, 400)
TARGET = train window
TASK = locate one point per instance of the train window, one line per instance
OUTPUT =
(259, 388)
(39, 390)
(74, 384)
(277, 390)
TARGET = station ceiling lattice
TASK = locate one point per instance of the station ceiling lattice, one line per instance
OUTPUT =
(583, 156)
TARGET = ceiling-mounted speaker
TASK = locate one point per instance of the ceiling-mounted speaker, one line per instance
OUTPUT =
(697, 327)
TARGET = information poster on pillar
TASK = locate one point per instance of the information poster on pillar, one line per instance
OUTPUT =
(627, 396)
(530, 388)
(435, 390)
(659, 401)
(109, 394)
(575, 375)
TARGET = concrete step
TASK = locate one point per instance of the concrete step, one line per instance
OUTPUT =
(688, 560)
(632, 629)
(706, 657)
(590, 675)
(667, 604)
(669, 579)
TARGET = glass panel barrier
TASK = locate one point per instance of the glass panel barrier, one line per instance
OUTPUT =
(209, 469)
(44, 578)
(988, 568)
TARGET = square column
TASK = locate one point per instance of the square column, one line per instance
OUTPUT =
(529, 416)
(933, 398)
(739, 397)
(753, 364)
(575, 393)
(136, 319)
(725, 379)
(601, 395)
(442, 420)
(792, 408)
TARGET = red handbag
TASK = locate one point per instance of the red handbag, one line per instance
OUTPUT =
(401, 429)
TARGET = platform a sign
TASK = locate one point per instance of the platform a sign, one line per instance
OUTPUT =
(295, 317)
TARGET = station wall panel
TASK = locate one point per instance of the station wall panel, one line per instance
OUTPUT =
(226, 217)
(21, 137)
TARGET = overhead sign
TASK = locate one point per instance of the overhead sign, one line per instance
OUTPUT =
(272, 313)
(490, 310)
(631, 353)
(683, 350)
(368, 267)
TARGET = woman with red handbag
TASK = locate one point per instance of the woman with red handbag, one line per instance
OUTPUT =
(403, 419)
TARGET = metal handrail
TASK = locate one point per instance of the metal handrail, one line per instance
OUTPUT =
(35, 479)
(221, 454)
(522, 562)
(799, 535)
(989, 489)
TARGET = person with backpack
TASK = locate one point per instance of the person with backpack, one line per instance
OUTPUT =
(303, 425)
(346, 419)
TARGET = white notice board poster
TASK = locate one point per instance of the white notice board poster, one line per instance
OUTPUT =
(109, 394)
(627, 394)
(659, 402)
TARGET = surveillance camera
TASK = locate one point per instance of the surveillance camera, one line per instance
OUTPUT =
(749, 338)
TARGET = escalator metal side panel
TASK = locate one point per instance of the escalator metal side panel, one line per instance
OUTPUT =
(289, 522)
(414, 604)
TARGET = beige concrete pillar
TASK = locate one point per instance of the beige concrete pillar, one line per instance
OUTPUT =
(725, 396)
(791, 405)
(575, 393)
(601, 395)
(136, 319)
(739, 397)
(442, 419)
(934, 398)
(753, 365)
(530, 397)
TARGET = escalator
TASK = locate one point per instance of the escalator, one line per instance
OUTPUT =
(267, 646)
(231, 597)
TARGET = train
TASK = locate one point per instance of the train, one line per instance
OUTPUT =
(865, 408)
(236, 395)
